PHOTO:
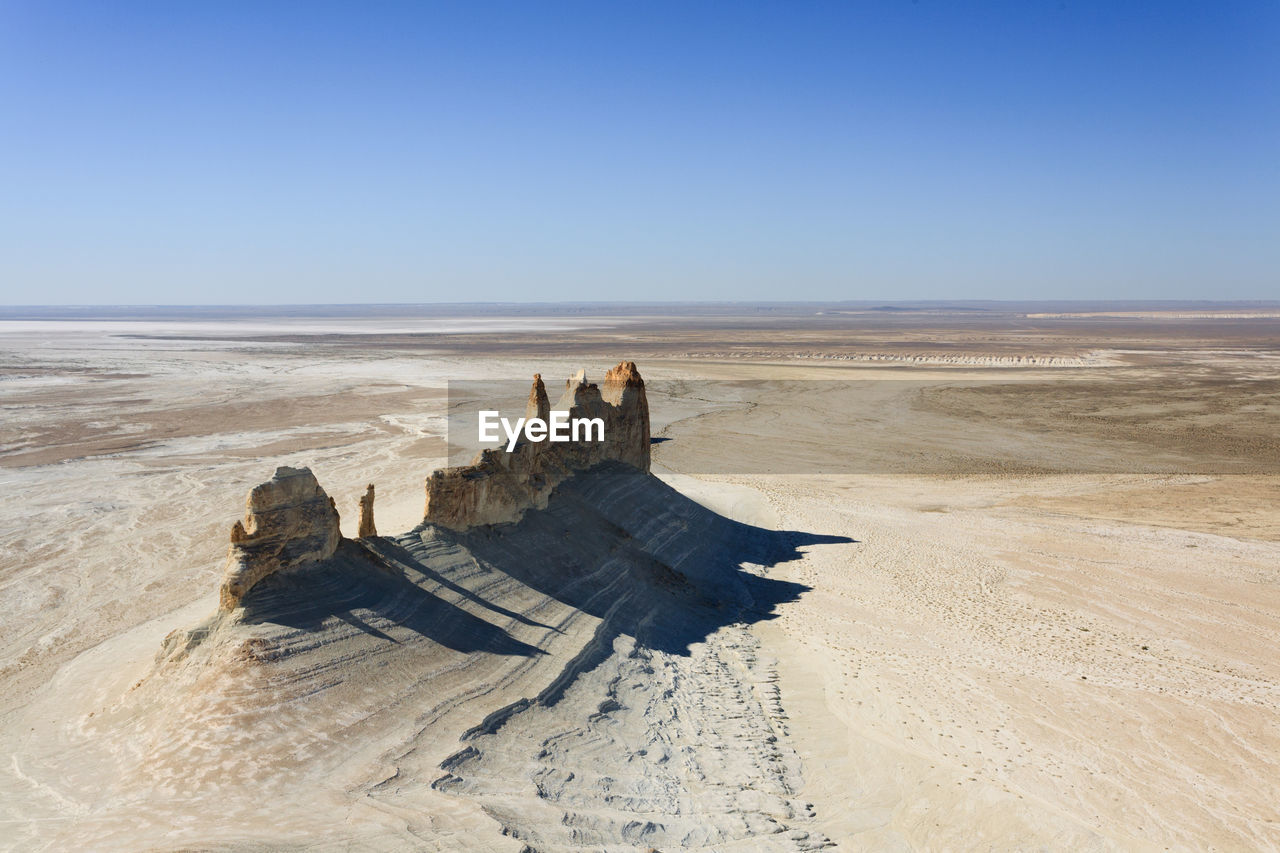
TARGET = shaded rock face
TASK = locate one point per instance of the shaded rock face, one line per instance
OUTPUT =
(624, 391)
(498, 487)
(367, 527)
(289, 521)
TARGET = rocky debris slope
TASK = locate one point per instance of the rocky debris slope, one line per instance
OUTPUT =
(652, 749)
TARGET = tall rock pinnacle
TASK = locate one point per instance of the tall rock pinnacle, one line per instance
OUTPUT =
(367, 528)
(539, 406)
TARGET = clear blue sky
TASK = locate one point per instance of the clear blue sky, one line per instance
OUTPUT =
(224, 152)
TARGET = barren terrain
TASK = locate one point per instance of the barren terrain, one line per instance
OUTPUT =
(936, 579)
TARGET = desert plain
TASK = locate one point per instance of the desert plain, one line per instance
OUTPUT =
(1005, 577)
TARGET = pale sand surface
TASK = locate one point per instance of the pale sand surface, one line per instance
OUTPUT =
(1055, 627)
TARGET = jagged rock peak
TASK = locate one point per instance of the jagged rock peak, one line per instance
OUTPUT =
(498, 487)
(367, 528)
(289, 521)
(624, 391)
(624, 374)
(539, 405)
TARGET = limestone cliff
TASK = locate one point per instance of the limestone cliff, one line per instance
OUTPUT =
(289, 522)
(498, 487)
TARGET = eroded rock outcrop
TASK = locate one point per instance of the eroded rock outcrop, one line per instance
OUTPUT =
(539, 405)
(498, 487)
(624, 390)
(367, 528)
(289, 521)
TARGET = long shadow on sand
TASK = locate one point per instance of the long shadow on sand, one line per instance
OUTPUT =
(629, 549)
(617, 544)
(355, 588)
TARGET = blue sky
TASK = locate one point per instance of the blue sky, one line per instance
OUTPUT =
(382, 152)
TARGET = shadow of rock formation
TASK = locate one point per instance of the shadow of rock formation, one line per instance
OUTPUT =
(612, 542)
(626, 547)
(582, 526)
(367, 593)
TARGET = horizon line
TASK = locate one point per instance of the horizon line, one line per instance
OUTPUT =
(641, 303)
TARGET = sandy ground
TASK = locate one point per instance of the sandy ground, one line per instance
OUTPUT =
(1037, 604)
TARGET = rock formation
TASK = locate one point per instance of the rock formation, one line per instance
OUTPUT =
(367, 528)
(289, 522)
(498, 487)
(539, 406)
(624, 390)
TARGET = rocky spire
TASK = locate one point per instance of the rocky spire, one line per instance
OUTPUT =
(624, 390)
(539, 406)
(367, 528)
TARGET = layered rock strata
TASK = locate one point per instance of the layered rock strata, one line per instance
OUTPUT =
(289, 521)
(498, 487)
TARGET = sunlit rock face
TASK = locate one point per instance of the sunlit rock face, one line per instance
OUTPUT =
(367, 526)
(498, 487)
(289, 521)
(539, 406)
